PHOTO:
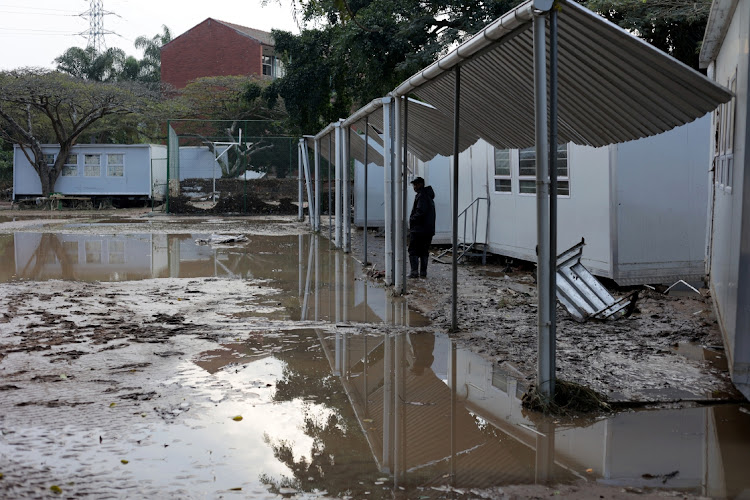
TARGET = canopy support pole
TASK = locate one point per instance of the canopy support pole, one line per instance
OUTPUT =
(545, 361)
(454, 217)
(553, 57)
(330, 200)
(387, 164)
(367, 169)
(317, 186)
(404, 191)
(337, 183)
(398, 216)
(346, 192)
(300, 210)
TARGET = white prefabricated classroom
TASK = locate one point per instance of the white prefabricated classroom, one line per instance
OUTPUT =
(725, 55)
(135, 170)
(640, 206)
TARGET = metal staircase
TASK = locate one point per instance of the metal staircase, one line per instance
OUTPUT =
(470, 247)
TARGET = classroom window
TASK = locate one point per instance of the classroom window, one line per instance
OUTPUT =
(93, 252)
(92, 166)
(115, 165)
(116, 251)
(70, 248)
(502, 171)
(724, 141)
(49, 159)
(70, 167)
(527, 171)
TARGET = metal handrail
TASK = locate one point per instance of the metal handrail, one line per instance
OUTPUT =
(474, 207)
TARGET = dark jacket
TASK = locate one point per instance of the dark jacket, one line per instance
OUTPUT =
(422, 218)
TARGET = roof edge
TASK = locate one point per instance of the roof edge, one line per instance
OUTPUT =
(716, 29)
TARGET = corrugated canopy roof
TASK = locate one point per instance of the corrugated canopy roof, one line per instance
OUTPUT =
(613, 87)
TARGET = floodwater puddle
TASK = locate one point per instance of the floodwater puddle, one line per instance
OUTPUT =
(319, 284)
(410, 415)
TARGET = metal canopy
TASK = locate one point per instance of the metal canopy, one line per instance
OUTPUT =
(613, 87)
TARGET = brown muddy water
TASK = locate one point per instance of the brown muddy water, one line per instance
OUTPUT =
(380, 406)
(329, 283)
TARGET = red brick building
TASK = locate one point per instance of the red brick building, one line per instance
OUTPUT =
(218, 48)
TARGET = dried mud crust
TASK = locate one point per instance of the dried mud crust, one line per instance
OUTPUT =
(632, 359)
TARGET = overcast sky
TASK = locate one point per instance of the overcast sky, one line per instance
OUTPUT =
(35, 32)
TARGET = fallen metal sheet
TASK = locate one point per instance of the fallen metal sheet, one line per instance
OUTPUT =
(582, 294)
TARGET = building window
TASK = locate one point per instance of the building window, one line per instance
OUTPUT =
(92, 166)
(71, 251)
(269, 64)
(724, 141)
(93, 252)
(527, 171)
(70, 167)
(502, 171)
(115, 165)
(116, 252)
(49, 160)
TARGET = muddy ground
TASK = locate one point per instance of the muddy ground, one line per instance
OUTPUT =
(98, 352)
(668, 351)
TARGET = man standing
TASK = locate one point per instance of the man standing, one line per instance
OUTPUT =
(421, 228)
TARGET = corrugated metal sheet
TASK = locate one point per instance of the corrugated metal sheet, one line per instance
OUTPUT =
(613, 87)
(357, 145)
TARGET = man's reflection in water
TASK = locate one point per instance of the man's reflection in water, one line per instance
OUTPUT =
(421, 346)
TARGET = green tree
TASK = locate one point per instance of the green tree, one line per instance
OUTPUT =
(6, 167)
(150, 65)
(365, 48)
(673, 26)
(39, 106)
(221, 106)
(89, 64)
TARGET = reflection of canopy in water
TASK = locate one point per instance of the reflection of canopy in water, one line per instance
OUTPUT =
(414, 426)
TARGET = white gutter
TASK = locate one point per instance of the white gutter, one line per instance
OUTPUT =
(366, 110)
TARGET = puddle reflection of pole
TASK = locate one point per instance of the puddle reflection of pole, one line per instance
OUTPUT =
(345, 294)
(400, 420)
(454, 425)
(367, 304)
(337, 286)
(305, 301)
(387, 405)
(300, 243)
(364, 374)
(545, 452)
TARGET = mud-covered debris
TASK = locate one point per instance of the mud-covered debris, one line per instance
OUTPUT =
(569, 399)
(221, 239)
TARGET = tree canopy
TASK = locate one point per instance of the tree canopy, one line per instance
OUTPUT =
(39, 106)
(221, 106)
(113, 64)
(361, 49)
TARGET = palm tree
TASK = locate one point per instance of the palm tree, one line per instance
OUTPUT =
(89, 64)
(151, 62)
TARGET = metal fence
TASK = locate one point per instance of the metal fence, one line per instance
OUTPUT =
(229, 166)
